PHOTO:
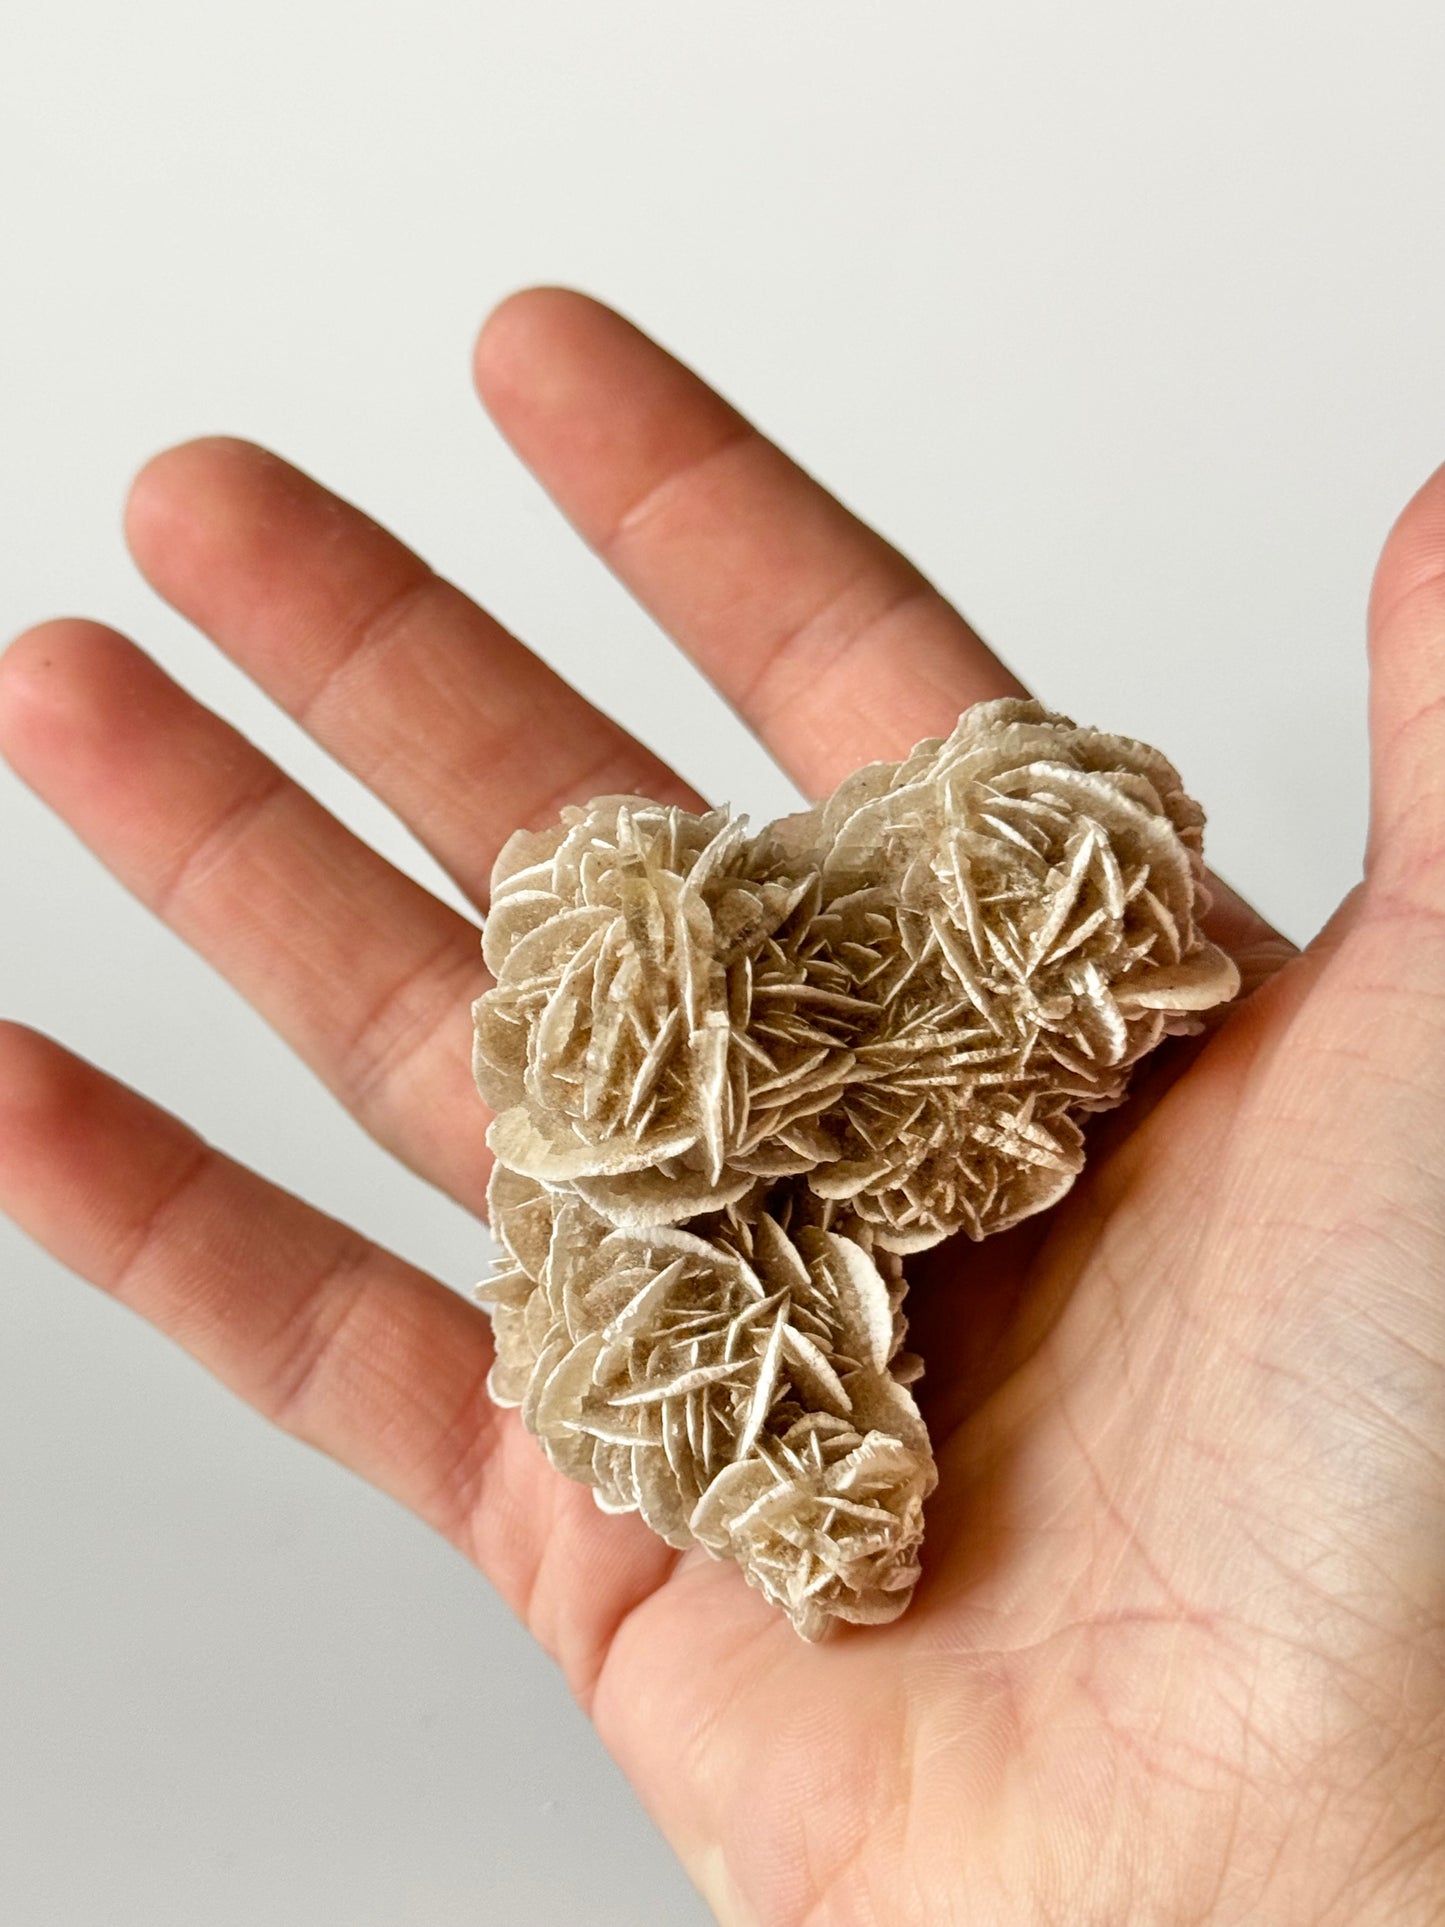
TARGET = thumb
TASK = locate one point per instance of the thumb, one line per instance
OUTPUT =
(1406, 854)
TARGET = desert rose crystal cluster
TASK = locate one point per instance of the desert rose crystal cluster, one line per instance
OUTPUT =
(736, 1078)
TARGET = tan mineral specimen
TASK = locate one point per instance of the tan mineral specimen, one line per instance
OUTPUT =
(739, 1384)
(735, 1076)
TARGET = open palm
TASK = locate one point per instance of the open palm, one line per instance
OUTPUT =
(1177, 1654)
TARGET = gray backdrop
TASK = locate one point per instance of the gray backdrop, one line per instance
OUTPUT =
(1125, 321)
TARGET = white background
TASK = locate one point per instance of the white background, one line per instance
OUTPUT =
(1124, 320)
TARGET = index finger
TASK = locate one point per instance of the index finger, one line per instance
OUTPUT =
(829, 643)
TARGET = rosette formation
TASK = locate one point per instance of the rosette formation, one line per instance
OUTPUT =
(737, 1077)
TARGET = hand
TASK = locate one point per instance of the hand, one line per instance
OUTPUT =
(1177, 1655)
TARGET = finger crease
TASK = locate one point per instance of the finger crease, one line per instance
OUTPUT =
(586, 1679)
(408, 1016)
(1427, 585)
(312, 1340)
(599, 778)
(372, 633)
(461, 1461)
(834, 649)
(222, 836)
(151, 1227)
(655, 497)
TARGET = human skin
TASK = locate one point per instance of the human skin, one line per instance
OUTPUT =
(1177, 1655)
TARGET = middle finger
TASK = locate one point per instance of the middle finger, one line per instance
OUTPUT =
(451, 721)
